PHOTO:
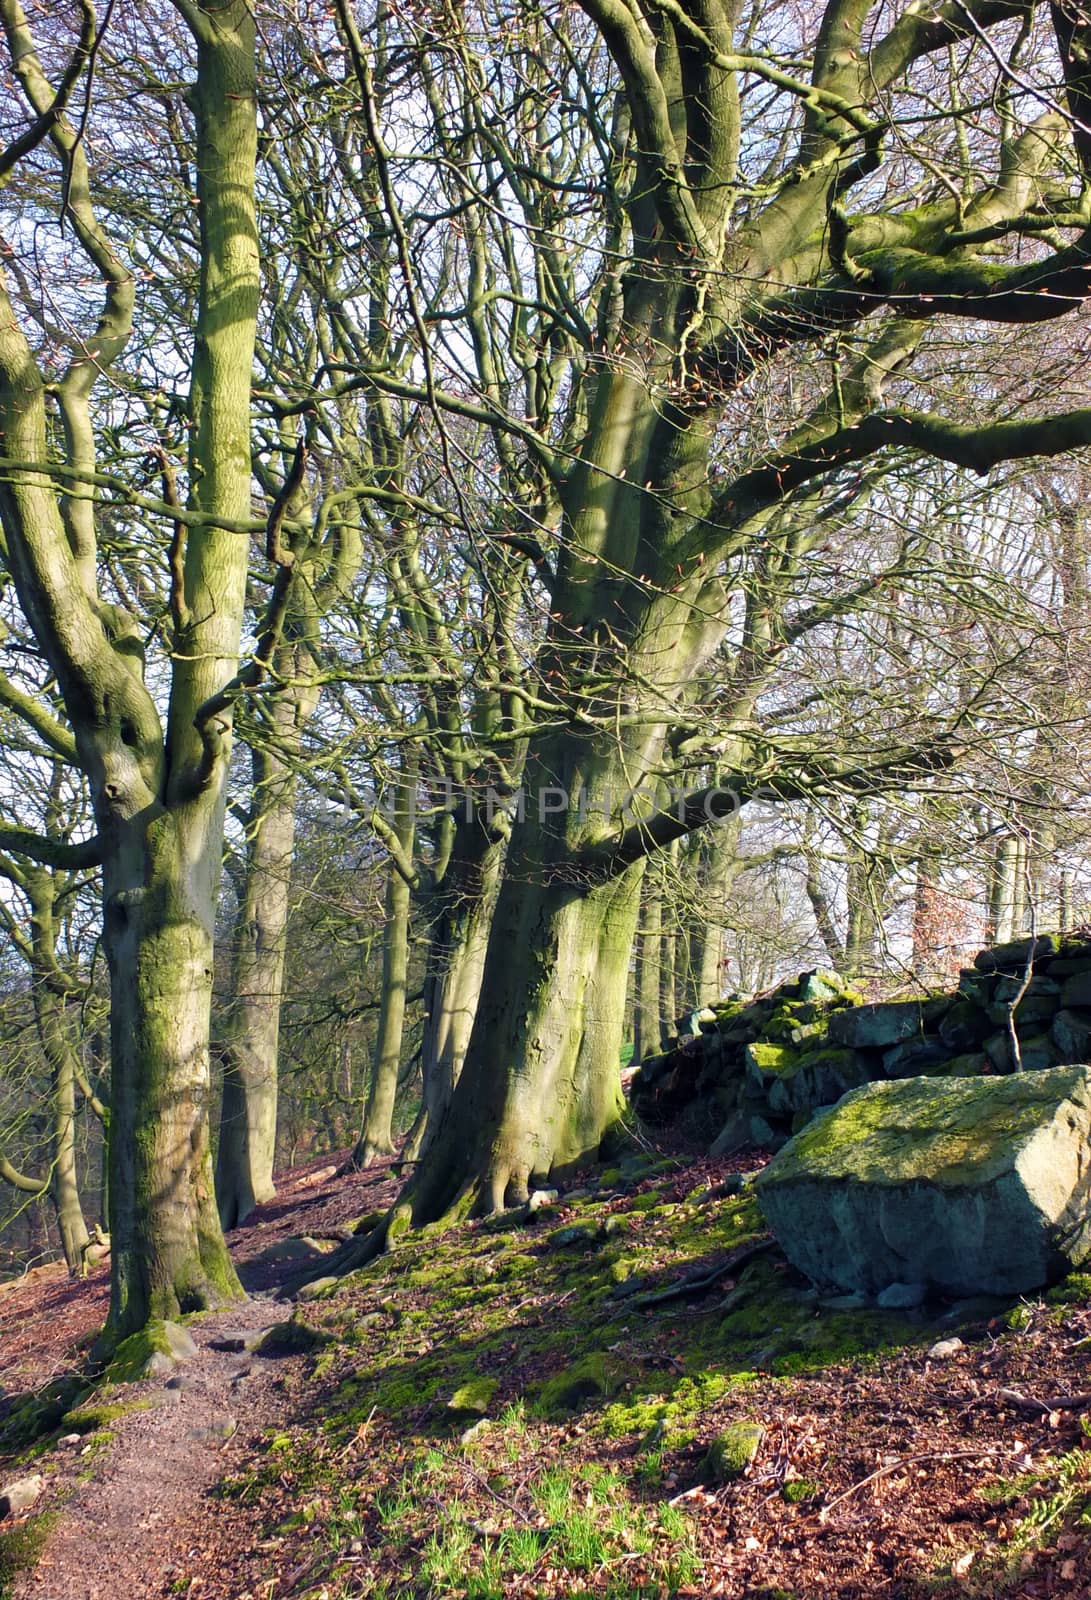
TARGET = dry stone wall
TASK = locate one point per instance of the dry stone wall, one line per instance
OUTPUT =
(759, 1068)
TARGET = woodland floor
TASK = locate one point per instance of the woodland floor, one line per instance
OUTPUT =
(881, 1471)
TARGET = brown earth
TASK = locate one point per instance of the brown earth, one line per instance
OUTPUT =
(897, 1461)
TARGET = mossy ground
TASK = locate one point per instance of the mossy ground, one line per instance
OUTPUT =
(602, 1415)
(20, 1547)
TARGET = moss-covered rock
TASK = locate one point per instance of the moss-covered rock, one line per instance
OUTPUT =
(595, 1377)
(152, 1352)
(732, 1451)
(969, 1185)
(473, 1397)
(292, 1338)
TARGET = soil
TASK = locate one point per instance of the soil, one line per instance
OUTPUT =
(911, 1475)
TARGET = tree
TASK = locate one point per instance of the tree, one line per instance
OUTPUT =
(686, 194)
(157, 781)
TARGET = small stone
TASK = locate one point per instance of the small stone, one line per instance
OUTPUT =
(217, 1430)
(71, 1441)
(238, 1343)
(902, 1296)
(182, 1380)
(575, 1195)
(158, 1365)
(317, 1289)
(540, 1199)
(240, 1375)
(944, 1349)
(474, 1396)
(572, 1237)
(474, 1431)
(20, 1495)
(630, 1286)
(732, 1451)
(732, 1136)
(844, 1302)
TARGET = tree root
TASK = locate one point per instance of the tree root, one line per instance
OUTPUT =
(689, 1288)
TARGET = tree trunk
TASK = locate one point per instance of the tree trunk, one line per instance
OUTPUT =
(248, 1117)
(377, 1133)
(462, 907)
(167, 1248)
(651, 953)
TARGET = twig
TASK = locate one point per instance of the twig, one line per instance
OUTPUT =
(1026, 1402)
(907, 1461)
(689, 1287)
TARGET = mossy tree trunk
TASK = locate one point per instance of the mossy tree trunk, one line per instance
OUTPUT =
(158, 794)
(377, 1131)
(637, 603)
(246, 1149)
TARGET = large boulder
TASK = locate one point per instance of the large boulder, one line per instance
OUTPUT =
(968, 1185)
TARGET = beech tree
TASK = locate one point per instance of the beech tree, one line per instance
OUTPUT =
(154, 753)
(710, 202)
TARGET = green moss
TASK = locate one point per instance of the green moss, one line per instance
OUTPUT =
(595, 1377)
(732, 1451)
(968, 1128)
(131, 1356)
(799, 1489)
(666, 1418)
(41, 1413)
(645, 1202)
(474, 1396)
(20, 1548)
(91, 1419)
(1074, 1290)
(763, 1058)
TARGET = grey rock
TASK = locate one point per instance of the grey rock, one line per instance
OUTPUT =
(820, 985)
(235, 1343)
(1012, 958)
(964, 1027)
(182, 1380)
(944, 1349)
(217, 1430)
(20, 1495)
(540, 1199)
(298, 1248)
(908, 1059)
(158, 1365)
(844, 1302)
(901, 1296)
(878, 1026)
(1071, 1033)
(969, 1185)
(71, 1441)
(572, 1237)
(761, 1133)
(180, 1342)
(1076, 990)
(318, 1289)
(732, 1136)
(630, 1286)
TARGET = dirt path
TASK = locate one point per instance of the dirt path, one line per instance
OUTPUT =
(131, 1513)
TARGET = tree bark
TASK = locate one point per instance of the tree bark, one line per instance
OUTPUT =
(377, 1132)
(158, 798)
(246, 1150)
